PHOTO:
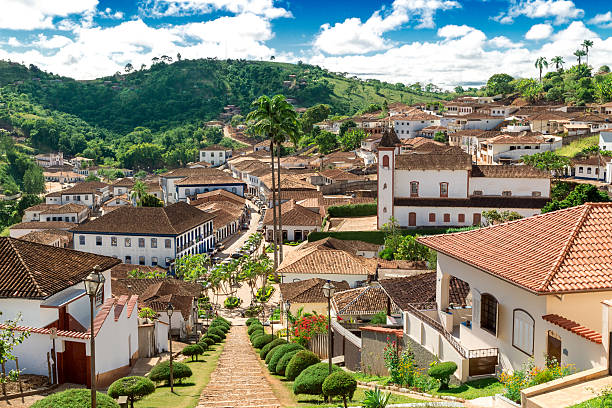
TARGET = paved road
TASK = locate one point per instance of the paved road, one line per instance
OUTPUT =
(234, 244)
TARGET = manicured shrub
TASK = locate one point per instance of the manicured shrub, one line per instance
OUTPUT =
(253, 327)
(310, 381)
(232, 302)
(256, 334)
(299, 363)
(260, 341)
(352, 210)
(218, 332)
(266, 349)
(161, 372)
(192, 350)
(340, 384)
(75, 398)
(281, 366)
(221, 326)
(276, 353)
(251, 320)
(215, 338)
(222, 319)
(132, 387)
(442, 372)
(206, 340)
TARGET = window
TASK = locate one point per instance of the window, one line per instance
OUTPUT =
(588, 170)
(153, 242)
(477, 192)
(154, 261)
(113, 241)
(141, 242)
(187, 191)
(580, 170)
(98, 241)
(77, 198)
(81, 239)
(100, 296)
(522, 331)
(414, 189)
(461, 217)
(385, 162)
(506, 193)
(128, 259)
(73, 220)
(444, 189)
(141, 260)
(488, 313)
(128, 242)
(432, 217)
(168, 243)
(536, 194)
(446, 217)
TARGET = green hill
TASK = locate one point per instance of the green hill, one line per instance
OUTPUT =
(191, 91)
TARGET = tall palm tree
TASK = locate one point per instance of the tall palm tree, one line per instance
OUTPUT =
(579, 54)
(275, 118)
(558, 61)
(139, 190)
(586, 44)
(540, 64)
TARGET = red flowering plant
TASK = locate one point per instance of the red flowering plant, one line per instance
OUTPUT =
(307, 327)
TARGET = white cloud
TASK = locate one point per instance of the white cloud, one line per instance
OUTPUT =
(454, 31)
(504, 42)
(161, 8)
(356, 37)
(57, 41)
(108, 13)
(14, 42)
(602, 20)
(561, 10)
(539, 32)
(39, 14)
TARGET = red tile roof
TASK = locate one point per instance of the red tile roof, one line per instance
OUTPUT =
(573, 327)
(558, 252)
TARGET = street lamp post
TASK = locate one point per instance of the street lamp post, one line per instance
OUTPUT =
(169, 311)
(328, 292)
(287, 307)
(93, 283)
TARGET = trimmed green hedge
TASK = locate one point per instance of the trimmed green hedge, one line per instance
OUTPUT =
(253, 327)
(276, 354)
(132, 387)
(352, 210)
(266, 349)
(378, 237)
(260, 341)
(281, 366)
(216, 331)
(214, 337)
(75, 398)
(310, 381)
(340, 384)
(299, 363)
(256, 334)
(161, 372)
(207, 341)
(252, 320)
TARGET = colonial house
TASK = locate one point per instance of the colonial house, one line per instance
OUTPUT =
(74, 213)
(41, 287)
(361, 304)
(410, 124)
(594, 167)
(359, 248)
(50, 159)
(216, 155)
(297, 221)
(122, 186)
(53, 237)
(540, 287)
(251, 171)
(62, 177)
(478, 120)
(510, 148)
(179, 184)
(148, 235)
(228, 218)
(439, 187)
(307, 295)
(23, 228)
(605, 140)
(331, 176)
(89, 193)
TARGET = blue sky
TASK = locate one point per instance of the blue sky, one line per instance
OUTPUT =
(448, 42)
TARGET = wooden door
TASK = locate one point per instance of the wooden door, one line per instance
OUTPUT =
(297, 235)
(412, 219)
(75, 363)
(477, 219)
(553, 349)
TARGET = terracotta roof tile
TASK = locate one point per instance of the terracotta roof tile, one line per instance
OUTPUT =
(367, 300)
(295, 214)
(308, 290)
(448, 159)
(497, 171)
(573, 327)
(312, 261)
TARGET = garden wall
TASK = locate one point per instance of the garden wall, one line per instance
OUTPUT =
(373, 342)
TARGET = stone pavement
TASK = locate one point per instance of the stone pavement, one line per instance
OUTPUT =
(238, 381)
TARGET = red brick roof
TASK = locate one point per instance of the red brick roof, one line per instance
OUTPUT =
(558, 252)
(295, 215)
(573, 327)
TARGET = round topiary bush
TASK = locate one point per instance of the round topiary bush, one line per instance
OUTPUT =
(75, 398)
(266, 349)
(339, 384)
(281, 366)
(232, 302)
(299, 363)
(251, 320)
(256, 334)
(442, 372)
(192, 350)
(262, 340)
(275, 354)
(214, 337)
(254, 327)
(221, 326)
(161, 372)
(310, 381)
(218, 332)
(132, 387)
(206, 340)
(269, 353)
(223, 319)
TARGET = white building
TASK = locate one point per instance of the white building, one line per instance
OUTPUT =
(179, 184)
(471, 121)
(605, 140)
(89, 193)
(410, 124)
(122, 186)
(42, 286)
(148, 235)
(437, 186)
(510, 148)
(298, 222)
(595, 167)
(74, 213)
(539, 286)
(50, 159)
(216, 155)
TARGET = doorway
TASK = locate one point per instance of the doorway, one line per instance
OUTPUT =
(553, 349)
(75, 364)
(412, 219)
(297, 235)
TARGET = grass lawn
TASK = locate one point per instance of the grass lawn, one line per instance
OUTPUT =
(473, 389)
(185, 395)
(576, 146)
(594, 403)
(5, 232)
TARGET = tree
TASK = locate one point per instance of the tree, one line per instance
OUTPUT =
(558, 61)
(178, 56)
(604, 69)
(440, 137)
(149, 200)
(582, 193)
(129, 67)
(411, 250)
(500, 84)
(547, 161)
(313, 115)
(351, 140)
(33, 180)
(132, 387)
(326, 141)
(497, 217)
(276, 119)
(540, 64)
(139, 190)
(9, 339)
(92, 177)
(579, 54)
(587, 44)
(460, 90)
(346, 125)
